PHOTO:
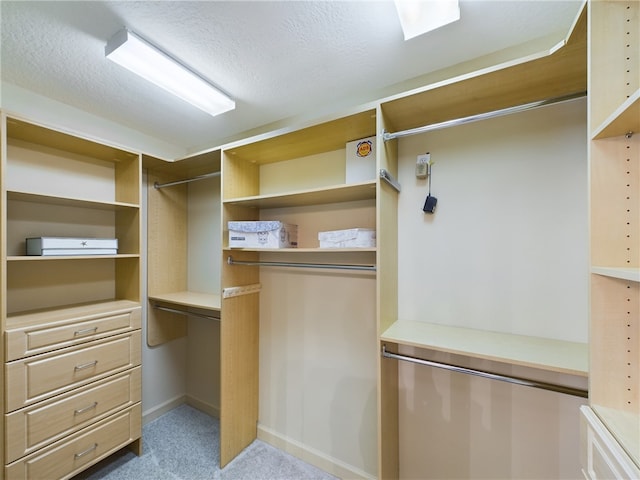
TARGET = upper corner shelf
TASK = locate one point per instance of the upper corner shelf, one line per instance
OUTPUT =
(319, 138)
(626, 119)
(316, 196)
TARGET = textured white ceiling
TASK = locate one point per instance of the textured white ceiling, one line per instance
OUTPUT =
(277, 59)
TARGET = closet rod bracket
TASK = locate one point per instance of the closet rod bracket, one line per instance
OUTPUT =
(387, 177)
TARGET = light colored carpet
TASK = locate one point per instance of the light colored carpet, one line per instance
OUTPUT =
(183, 444)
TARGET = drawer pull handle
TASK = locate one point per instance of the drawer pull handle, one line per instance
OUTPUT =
(85, 452)
(85, 331)
(84, 366)
(80, 411)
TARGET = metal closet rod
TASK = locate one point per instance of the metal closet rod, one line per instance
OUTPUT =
(481, 116)
(185, 312)
(231, 261)
(157, 185)
(578, 392)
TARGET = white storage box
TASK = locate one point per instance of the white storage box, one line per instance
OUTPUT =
(351, 238)
(361, 160)
(262, 234)
(50, 246)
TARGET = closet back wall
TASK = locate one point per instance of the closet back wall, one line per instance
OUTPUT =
(506, 250)
(506, 247)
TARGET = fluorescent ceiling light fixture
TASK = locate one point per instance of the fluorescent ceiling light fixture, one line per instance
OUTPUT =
(422, 16)
(136, 54)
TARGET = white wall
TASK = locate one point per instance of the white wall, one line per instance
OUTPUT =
(506, 250)
(38, 108)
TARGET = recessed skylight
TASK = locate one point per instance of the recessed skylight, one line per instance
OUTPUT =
(421, 16)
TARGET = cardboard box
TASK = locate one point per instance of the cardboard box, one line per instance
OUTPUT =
(262, 234)
(52, 246)
(350, 238)
(361, 160)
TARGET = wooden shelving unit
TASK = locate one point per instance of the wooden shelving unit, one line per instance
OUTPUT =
(554, 74)
(72, 324)
(614, 118)
(295, 176)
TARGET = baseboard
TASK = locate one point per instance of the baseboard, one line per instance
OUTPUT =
(151, 414)
(205, 407)
(314, 457)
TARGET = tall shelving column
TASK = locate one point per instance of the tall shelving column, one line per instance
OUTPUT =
(614, 126)
(3, 267)
(71, 324)
(298, 176)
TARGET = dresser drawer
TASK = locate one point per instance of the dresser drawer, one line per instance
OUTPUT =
(39, 333)
(36, 378)
(67, 457)
(34, 427)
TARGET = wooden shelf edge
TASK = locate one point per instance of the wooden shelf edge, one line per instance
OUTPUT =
(537, 352)
(205, 301)
(632, 274)
(68, 201)
(623, 120)
(38, 258)
(334, 194)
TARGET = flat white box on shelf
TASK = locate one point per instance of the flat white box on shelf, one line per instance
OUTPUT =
(262, 234)
(350, 238)
(361, 160)
(51, 246)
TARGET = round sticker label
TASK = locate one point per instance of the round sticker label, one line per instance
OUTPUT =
(364, 148)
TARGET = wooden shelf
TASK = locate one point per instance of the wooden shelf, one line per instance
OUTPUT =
(632, 274)
(38, 258)
(317, 196)
(285, 145)
(46, 136)
(68, 201)
(536, 352)
(625, 119)
(205, 301)
(555, 73)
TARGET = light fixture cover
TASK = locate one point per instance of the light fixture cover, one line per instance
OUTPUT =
(422, 16)
(136, 54)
